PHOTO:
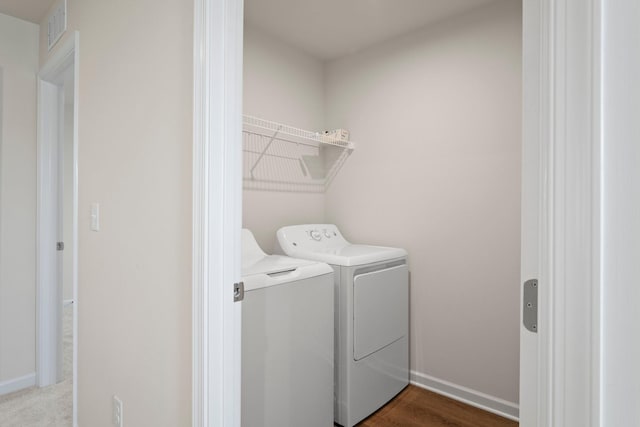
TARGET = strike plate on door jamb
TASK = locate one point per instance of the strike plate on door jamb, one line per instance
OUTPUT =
(530, 305)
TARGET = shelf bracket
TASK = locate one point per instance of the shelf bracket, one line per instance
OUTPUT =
(264, 151)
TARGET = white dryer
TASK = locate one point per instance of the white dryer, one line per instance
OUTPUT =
(371, 316)
(287, 340)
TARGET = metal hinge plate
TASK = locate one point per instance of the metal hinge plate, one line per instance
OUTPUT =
(238, 291)
(530, 305)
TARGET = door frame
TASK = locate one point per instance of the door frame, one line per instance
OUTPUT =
(217, 211)
(560, 364)
(565, 52)
(49, 301)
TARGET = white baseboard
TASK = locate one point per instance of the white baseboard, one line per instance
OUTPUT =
(466, 395)
(16, 384)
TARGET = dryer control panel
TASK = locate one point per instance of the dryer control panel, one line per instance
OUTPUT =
(325, 243)
(315, 237)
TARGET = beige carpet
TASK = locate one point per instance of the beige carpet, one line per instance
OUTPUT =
(44, 407)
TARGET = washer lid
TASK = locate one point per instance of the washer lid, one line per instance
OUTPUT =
(325, 243)
(260, 270)
(270, 264)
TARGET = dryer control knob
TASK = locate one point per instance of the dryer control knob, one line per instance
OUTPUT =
(327, 234)
(315, 235)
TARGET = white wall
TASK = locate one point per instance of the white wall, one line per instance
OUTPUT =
(285, 85)
(135, 147)
(620, 215)
(436, 117)
(18, 66)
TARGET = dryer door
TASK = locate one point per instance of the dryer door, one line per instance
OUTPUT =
(380, 309)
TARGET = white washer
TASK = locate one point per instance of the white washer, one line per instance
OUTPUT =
(287, 340)
(372, 316)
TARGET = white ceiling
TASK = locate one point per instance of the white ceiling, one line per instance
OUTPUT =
(328, 29)
(28, 10)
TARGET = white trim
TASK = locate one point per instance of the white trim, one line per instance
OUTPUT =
(596, 45)
(75, 231)
(543, 136)
(60, 60)
(569, 141)
(217, 212)
(466, 395)
(564, 74)
(66, 54)
(19, 383)
(49, 297)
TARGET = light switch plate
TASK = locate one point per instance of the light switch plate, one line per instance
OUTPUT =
(95, 216)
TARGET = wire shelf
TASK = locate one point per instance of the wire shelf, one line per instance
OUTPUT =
(278, 157)
(292, 134)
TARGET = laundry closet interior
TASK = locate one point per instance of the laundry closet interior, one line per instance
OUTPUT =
(430, 95)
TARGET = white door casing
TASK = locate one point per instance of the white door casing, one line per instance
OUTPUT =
(217, 211)
(560, 365)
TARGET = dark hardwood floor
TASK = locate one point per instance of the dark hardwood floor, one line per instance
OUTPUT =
(416, 407)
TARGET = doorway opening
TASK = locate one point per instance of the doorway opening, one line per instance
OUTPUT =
(57, 222)
(431, 97)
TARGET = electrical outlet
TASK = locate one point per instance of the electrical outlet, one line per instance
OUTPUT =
(117, 411)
